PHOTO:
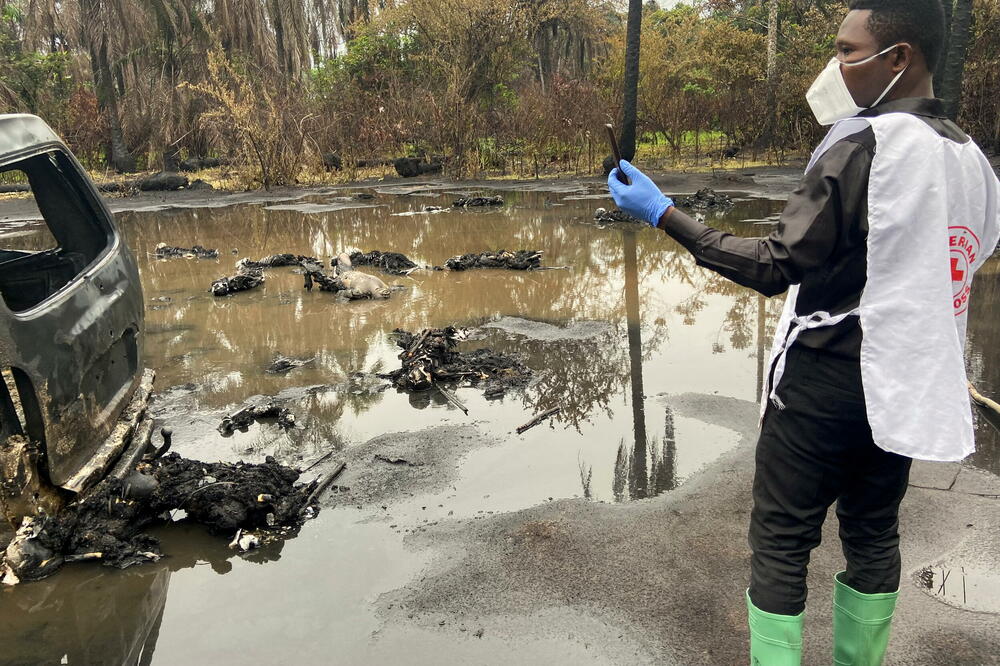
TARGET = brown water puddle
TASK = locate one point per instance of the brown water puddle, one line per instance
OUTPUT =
(627, 322)
(642, 321)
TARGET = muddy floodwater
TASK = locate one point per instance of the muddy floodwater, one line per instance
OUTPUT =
(623, 321)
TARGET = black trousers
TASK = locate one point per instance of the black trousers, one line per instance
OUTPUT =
(816, 451)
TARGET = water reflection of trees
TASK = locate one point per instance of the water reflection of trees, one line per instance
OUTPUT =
(581, 376)
(233, 339)
(638, 475)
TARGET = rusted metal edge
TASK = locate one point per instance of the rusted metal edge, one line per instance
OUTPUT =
(119, 439)
(136, 449)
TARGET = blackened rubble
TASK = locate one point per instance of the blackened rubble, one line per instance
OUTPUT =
(245, 279)
(430, 357)
(164, 251)
(471, 202)
(612, 216)
(247, 414)
(520, 260)
(705, 199)
(276, 260)
(393, 263)
(107, 524)
(315, 275)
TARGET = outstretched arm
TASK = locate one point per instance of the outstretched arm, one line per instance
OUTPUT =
(818, 212)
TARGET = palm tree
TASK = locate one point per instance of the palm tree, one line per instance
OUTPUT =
(947, 5)
(95, 32)
(961, 27)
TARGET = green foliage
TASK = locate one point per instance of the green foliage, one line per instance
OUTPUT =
(35, 82)
(495, 85)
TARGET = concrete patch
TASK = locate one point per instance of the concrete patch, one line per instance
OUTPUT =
(977, 482)
(432, 456)
(935, 475)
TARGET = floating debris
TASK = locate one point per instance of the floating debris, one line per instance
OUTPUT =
(247, 414)
(348, 283)
(705, 199)
(431, 357)
(284, 364)
(605, 216)
(276, 260)
(389, 262)
(244, 280)
(521, 260)
(164, 251)
(473, 202)
(538, 419)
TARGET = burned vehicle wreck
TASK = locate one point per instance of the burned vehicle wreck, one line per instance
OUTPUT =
(74, 394)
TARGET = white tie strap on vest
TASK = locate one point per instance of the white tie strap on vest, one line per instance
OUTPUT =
(933, 220)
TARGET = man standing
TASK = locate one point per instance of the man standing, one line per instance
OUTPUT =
(876, 247)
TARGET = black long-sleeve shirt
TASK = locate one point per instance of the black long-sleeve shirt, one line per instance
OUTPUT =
(820, 240)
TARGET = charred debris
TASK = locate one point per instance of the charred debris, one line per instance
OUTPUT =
(245, 279)
(519, 260)
(705, 199)
(430, 358)
(108, 524)
(393, 263)
(164, 251)
(352, 284)
(605, 216)
(477, 202)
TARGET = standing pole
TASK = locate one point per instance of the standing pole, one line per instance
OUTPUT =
(630, 102)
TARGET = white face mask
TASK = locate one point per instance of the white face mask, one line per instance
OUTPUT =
(828, 96)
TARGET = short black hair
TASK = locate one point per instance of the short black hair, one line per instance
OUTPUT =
(917, 22)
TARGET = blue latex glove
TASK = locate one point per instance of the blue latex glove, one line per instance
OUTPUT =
(641, 199)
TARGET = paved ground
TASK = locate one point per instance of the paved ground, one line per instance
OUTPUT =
(661, 581)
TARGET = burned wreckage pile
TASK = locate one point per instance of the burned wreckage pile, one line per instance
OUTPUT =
(706, 199)
(108, 523)
(393, 263)
(246, 278)
(519, 260)
(429, 358)
(351, 284)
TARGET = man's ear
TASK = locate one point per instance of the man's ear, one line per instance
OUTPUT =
(902, 57)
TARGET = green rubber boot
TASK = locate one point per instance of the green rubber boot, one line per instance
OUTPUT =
(775, 640)
(861, 624)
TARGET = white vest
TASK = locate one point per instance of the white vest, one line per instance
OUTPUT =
(933, 219)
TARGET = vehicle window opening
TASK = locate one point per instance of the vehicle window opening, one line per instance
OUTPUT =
(37, 260)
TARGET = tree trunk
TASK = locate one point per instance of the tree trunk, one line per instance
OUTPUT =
(772, 72)
(631, 91)
(961, 28)
(104, 85)
(943, 57)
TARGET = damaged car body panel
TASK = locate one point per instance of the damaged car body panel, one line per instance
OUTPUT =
(71, 324)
